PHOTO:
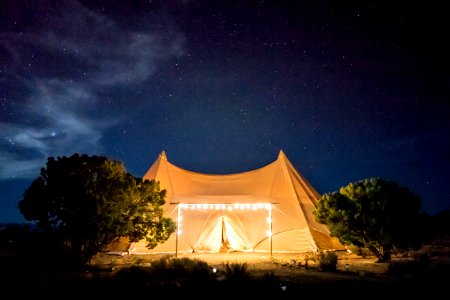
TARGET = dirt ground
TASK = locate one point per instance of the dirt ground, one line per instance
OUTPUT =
(299, 274)
(281, 265)
(294, 275)
(406, 272)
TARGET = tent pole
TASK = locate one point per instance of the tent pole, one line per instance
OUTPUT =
(270, 237)
(176, 238)
(177, 223)
(271, 225)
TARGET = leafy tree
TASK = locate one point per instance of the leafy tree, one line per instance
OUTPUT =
(374, 213)
(85, 202)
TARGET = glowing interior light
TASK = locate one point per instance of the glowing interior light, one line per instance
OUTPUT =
(269, 233)
(198, 206)
(222, 206)
(269, 220)
(230, 208)
(211, 206)
(205, 206)
(267, 205)
(236, 205)
(179, 232)
(180, 218)
(254, 206)
(247, 206)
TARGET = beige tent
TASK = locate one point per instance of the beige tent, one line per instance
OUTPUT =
(265, 210)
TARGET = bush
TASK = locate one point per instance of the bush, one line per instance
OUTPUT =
(361, 251)
(167, 272)
(310, 256)
(133, 276)
(192, 270)
(407, 268)
(327, 261)
(236, 272)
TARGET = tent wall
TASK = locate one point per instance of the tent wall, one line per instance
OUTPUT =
(243, 207)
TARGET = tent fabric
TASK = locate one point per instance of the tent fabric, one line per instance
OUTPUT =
(120, 246)
(267, 209)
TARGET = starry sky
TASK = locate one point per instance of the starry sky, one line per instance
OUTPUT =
(347, 89)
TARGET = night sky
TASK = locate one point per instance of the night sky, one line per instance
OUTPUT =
(346, 91)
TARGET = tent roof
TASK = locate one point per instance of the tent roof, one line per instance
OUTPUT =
(291, 197)
(269, 208)
(258, 182)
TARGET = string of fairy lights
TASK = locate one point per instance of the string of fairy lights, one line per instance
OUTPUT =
(225, 207)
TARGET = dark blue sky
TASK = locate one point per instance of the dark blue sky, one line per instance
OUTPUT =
(347, 92)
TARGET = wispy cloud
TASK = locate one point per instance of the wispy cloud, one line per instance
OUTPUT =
(54, 121)
(104, 52)
(84, 53)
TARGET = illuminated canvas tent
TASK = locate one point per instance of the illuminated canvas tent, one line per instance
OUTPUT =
(265, 210)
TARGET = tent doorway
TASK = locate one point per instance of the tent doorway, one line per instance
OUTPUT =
(219, 231)
(225, 243)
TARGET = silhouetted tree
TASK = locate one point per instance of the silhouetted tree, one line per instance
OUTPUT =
(85, 202)
(377, 214)
(441, 224)
(15, 237)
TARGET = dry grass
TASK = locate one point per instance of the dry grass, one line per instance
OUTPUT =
(297, 273)
(282, 265)
(353, 271)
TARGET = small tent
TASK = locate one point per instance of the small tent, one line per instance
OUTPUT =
(269, 209)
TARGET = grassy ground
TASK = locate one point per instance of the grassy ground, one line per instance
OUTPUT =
(299, 273)
(278, 276)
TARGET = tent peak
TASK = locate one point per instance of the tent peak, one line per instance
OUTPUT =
(281, 154)
(163, 155)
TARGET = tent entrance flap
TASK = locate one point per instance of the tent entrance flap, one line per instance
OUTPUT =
(221, 234)
(225, 243)
(222, 231)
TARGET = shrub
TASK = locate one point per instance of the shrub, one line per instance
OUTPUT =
(189, 270)
(309, 257)
(409, 267)
(133, 276)
(327, 261)
(236, 272)
(361, 251)
(167, 272)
